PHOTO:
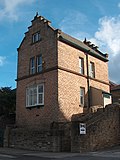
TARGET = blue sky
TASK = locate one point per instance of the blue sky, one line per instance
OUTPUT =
(97, 20)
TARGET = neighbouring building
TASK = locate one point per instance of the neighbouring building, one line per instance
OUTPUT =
(58, 76)
(115, 91)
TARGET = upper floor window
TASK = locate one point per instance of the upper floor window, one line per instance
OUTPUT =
(82, 96)
(92, 70)
(36, 37)
(32, 65)
(81, 65)
(39, 63)
(35, 95)
(36, 64)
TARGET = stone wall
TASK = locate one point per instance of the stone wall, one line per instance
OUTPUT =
(102, 130)
(31, 139)
(56, 139)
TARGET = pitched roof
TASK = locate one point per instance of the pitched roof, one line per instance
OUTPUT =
(117, 87)
(70, 40)
(80, 45)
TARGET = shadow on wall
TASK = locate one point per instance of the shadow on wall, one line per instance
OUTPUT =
(58, 135)
(5, 120)
(102, 129)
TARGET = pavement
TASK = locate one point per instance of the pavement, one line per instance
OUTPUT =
(24, 152)
(113, 152)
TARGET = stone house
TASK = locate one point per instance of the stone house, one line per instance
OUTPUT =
(58, 76)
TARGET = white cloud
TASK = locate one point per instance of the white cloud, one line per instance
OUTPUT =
(10, 8)
(107, 37)
(2, 60)
(108, 34)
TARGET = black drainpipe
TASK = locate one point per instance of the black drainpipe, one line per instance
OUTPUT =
(88, 82)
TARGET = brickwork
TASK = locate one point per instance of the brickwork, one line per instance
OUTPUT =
(101, 71)
(47, 46)
(70, 81)
(68, 57)
(34, 116)
(98, 85)
(60, 75)
(68, 94)
(38, 116)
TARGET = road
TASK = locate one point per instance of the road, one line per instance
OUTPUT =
(80, 157)
(17, 154)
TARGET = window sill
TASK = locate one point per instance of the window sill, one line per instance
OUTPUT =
(92, 77)
(81, 74)
(36, 42)
(36, 106)
(36, 73)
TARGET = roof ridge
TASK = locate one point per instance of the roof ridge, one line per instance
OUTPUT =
(80, 45)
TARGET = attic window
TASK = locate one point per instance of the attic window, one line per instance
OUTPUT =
(36, 37)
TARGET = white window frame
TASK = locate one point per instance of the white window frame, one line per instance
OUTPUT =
(32, 65)
(82, 96)
(36, 37)
(81, 65)
(92, 70)
(32, 99)
(39, 64)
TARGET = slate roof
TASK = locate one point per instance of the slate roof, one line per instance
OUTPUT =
(70, 40)
(117, 87)
(80, 45)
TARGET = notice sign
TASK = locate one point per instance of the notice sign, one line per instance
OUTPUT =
(82, 127)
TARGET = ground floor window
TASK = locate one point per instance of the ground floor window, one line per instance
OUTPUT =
(35, 95)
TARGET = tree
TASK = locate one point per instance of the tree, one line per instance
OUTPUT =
(7, 100)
